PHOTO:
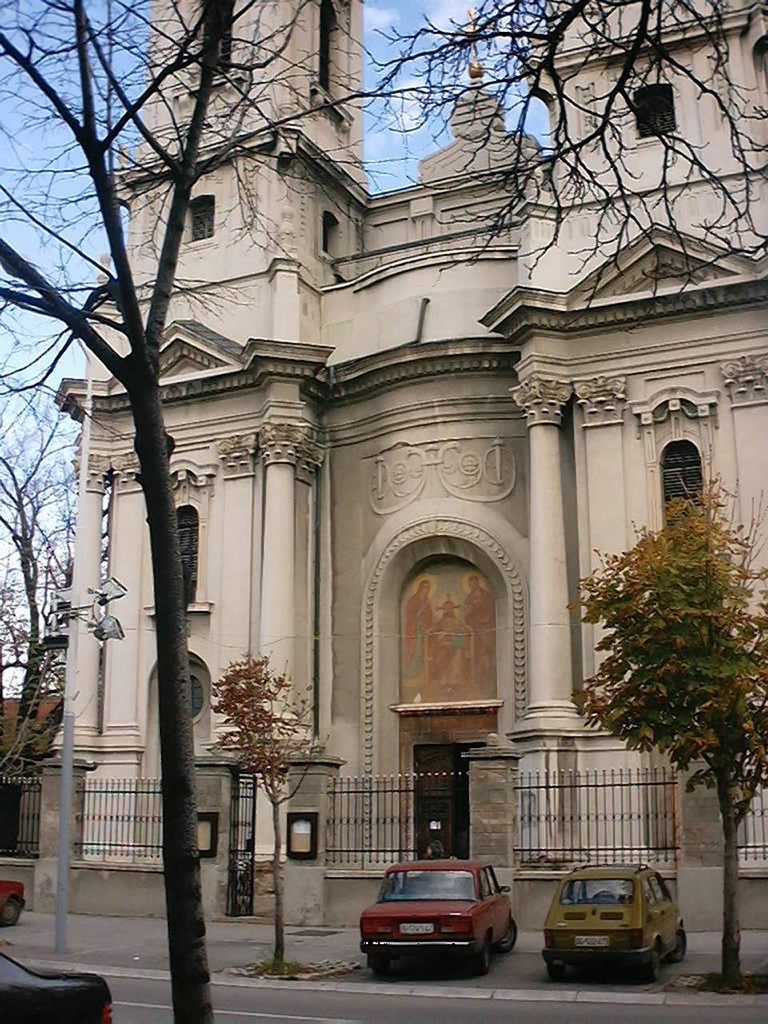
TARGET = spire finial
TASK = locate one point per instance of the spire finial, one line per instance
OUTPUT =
(475, 67)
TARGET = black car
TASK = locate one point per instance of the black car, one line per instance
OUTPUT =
(35, 997)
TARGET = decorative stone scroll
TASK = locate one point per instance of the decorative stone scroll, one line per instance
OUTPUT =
(484, 541)
(236, 453)
(601, 399)
(542, 399)
(747, 379)
(476, 469)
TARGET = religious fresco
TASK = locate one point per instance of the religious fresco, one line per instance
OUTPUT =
(448, 636)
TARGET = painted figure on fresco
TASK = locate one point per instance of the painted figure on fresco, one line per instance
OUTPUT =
(448, 646)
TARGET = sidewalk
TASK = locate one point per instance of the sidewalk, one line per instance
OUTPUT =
(137, 947)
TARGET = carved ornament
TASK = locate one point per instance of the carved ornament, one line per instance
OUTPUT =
(476, 469)
(601, 399)
(98, 467)
(295, 443)
(236, 452)
(542, 399)
(747, 379)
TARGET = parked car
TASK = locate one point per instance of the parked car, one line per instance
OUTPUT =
(11, 902)
(29, 997)
(439, 907)
(618, 915)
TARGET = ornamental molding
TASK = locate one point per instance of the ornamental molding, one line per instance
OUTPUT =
(480, 538)
(542, 399)
(475, 469)
(293, 443)
(746, 379)
(191, 483)
(601, 399)
(672, 401)
(236, 453)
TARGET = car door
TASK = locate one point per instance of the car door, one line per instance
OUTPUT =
(667, 911)
(498, 905)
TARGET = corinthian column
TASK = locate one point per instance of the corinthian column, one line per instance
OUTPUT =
(550, 672)
(283, 447)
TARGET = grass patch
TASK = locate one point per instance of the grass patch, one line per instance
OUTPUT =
(278, 968)
(750, 984)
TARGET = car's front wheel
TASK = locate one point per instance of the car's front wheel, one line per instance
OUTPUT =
(680, 947)
(10, 913)
(507, 942)
(379, 964)
(481, 962)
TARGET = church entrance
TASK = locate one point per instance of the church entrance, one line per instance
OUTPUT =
(442, 798)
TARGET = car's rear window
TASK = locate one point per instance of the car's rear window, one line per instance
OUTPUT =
(597, 890)
(428, 885)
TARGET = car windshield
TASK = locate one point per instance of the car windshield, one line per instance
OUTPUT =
(597, 890)
(428, 885)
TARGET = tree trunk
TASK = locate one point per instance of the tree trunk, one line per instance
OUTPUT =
(731, 943)
(277, 882)
(190, 980)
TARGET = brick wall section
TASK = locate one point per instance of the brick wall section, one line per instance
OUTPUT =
(493, 807)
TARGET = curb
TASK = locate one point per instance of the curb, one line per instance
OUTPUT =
(518, 995)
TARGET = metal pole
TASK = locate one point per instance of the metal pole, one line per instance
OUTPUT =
(70, 682)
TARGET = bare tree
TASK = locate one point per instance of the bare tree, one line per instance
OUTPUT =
(582, 84)
(36, 527)
(267, 727)
(105, 104)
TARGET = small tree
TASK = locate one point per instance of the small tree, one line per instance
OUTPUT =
(685, 614)
(267, 727)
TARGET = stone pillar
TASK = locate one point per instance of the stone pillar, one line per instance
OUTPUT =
(46, 867)
(88, 574)
(305, 879)
(213, 781)
(550, 669)
(601, 400)
(493, 805)
(700, 857)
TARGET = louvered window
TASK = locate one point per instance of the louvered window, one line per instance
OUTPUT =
(327, 26)
(202, 215)
(681, 473)
(654, 110)
(189, 529)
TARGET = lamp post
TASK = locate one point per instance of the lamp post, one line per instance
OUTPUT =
(103, 629)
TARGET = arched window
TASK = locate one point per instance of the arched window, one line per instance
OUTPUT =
(327, 26)
(681, 473)
(189, 531)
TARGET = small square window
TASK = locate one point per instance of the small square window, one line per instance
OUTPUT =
(202, 212)
(654, 110)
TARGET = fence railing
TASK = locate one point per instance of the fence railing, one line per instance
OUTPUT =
(568, 817)
(19, 816)
(122, 821)
(370, 820)
(753, 831)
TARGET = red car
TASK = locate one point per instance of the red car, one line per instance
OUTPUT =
(11, 902)
(438, 907)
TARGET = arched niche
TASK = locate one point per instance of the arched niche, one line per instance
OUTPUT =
(415, 546)
(200, 697)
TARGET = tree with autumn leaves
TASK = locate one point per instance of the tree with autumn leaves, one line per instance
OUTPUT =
(267, 727)
(685, 635)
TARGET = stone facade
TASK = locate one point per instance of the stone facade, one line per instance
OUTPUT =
(414, 396)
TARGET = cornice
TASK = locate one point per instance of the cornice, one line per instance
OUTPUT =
(526, 310)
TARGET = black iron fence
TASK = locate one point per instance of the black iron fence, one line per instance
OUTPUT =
(753, 831)
(242, 838)
(371, 820)
(122, 821)
(567, 817)
(19, 816)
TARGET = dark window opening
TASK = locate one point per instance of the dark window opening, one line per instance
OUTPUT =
(196, 695)
(330, 234)
(188, 529)
(327, 26)
(681, 472)
(654, 110)
(202, 213)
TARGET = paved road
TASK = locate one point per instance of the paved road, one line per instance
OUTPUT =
(139, 1001)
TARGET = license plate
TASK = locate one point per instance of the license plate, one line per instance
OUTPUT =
(416, 928)
(591, 940)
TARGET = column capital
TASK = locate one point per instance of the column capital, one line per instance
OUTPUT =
(542, 399)
(236, 453)
(98, 467)
(746, 379)
(294, 443)
(601, 399)
(126, 466)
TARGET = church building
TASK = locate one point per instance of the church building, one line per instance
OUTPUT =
(401, 437)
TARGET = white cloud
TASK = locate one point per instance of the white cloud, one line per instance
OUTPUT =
(379, 19)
